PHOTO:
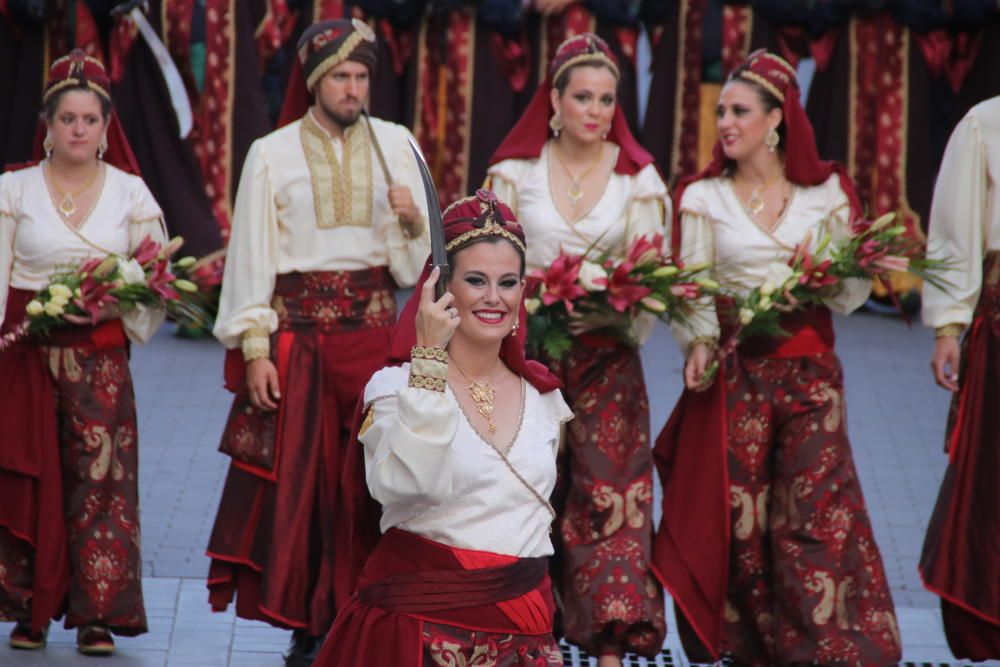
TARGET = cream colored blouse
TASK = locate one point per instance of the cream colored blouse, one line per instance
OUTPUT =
(277, 226)
(965, 215)
(36, 241)
(435, 475)
(716, 228)
(631, 206)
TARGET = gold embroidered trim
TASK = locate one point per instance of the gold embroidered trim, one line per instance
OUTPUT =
(423, 382)
(68, 83)
(955, 330)
(489, 229)
(432, 353)
(342, 193)
(582, 58)
(710, 341)
(256, 332)
(335, 58)
(429, 368)
(369, 420)
(770, 87)
(149, 218)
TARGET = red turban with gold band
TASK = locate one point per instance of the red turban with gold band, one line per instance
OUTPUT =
(80, 71)
(526, 140)
(465, 221)
(802, 163)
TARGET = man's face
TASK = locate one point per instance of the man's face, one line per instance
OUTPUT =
(342, 93)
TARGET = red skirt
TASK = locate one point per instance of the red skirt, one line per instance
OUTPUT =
(961, 554)
(421, 602)
(272, 546)
(69, 530)
(765, 543)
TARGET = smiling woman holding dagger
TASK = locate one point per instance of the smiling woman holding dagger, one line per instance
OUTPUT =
(460, 436)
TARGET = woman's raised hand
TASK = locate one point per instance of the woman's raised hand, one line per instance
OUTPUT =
(436, 320)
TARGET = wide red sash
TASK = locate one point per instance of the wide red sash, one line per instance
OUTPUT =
(691, 547)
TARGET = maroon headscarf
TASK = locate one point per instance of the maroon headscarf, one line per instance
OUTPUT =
(802, 163)
(526, 139)
(78, 70)
(465, 221)
(322, 47)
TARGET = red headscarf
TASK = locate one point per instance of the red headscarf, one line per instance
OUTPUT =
(322, 47)
(464, 221)
(78, 70)
(526, 140)
(802, 163)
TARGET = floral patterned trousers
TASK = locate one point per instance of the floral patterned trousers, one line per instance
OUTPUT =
(611, 603)
(806, 581)
(99, 450)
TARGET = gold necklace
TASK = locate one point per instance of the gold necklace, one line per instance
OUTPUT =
(483, 394)
(575, 191)
(67, 206)
(755, 204)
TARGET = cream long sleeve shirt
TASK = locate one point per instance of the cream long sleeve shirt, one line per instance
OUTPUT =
(631, 206)
(716, 228)
(36, 241)
(965, 215)
(276, 226)
(435, 476)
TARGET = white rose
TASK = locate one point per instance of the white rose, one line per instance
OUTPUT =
(765, 303)
(778, 274)
(59, 300)
(53, 309)
(746, 316)
(35, 308)
(131, 271)
(58, 289)
(532, 305)
(767, 289)
(590, 273)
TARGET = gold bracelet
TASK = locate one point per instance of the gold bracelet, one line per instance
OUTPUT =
(254, 354)
(431, 353)
(424, 382)
(710, 341)
(955, 330)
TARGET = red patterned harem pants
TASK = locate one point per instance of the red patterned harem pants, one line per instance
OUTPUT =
(98, 444)
(806, 582)
(611, 603)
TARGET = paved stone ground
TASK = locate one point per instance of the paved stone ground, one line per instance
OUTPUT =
(896, 419)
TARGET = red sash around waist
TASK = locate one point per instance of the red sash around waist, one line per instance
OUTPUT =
(411, 575)
(809, 331)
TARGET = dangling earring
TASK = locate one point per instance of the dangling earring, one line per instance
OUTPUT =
(556, 123)
(772, 139)
(102, 148)
(48, 144)
(517, 325)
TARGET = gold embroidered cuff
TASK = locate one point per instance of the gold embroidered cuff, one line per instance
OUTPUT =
(431, 368)
(433, 353)
(256, 344)
(955, 330)
(712, 343)
(413, 230)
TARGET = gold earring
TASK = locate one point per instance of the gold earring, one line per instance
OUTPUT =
(102, 148)
(48, 144)
(772, 139)
(556, 123)
(517, 325)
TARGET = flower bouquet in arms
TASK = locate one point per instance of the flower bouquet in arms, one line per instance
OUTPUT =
(811, 277)
(195, 313)
(80, 296)
(578, 286)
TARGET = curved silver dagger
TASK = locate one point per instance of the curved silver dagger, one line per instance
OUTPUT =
(439, 256)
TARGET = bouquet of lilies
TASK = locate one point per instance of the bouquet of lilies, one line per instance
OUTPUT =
(197, 310)
(583, 285)
(810, 277)
(79, 296)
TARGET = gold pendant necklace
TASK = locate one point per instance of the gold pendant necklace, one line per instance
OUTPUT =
(67, 205)
(575, 190)
(483, 394)
(755, 204)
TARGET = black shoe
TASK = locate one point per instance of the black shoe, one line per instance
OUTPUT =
(304, 649)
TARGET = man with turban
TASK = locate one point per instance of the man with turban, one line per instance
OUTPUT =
(326, 225)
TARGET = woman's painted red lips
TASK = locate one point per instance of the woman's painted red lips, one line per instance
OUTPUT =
(490, 316)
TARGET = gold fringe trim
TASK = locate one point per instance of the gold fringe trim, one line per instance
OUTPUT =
(770, 87)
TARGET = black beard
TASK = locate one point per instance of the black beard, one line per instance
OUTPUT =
(344, 121)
